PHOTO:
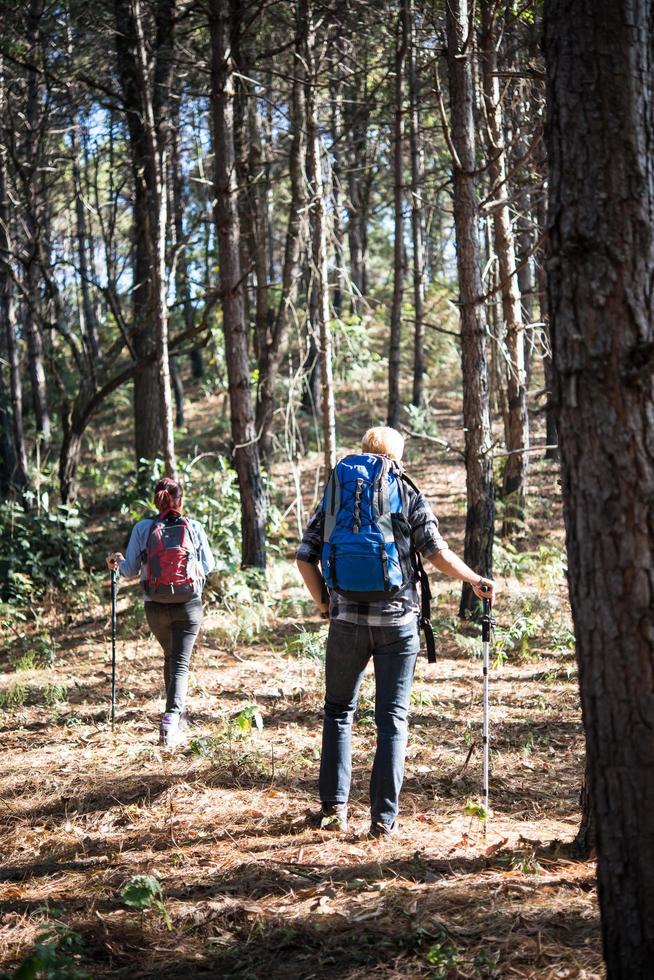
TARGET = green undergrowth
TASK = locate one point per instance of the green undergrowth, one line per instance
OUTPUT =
(55, 955)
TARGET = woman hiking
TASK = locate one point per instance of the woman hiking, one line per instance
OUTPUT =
(173, 557)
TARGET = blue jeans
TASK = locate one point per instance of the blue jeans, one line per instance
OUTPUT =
(394, 650)
(176, 626)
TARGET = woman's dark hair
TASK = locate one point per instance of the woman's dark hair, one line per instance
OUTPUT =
(168, 494)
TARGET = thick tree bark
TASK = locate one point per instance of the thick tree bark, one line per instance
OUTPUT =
(321, 326)
(517, 430)
(600, 71)
(402, 43)
(585, 843)
(478, 547)
(417, 223)
(245, 443)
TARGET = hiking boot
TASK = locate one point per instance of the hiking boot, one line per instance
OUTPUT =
(172, 729)
(383, 830)
(330, 817)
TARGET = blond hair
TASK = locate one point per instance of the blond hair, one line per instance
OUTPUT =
(383, 441)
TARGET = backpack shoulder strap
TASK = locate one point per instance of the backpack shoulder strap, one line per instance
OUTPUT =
(409, 481)
(191, 531)
(144, 553)
(381, 503)
(187, 523)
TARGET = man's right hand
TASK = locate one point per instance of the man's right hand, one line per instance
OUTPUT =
(485, 589)
(113, 561)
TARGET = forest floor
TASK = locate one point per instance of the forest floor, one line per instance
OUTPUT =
(247, 888)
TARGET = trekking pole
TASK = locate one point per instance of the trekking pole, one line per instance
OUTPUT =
(113, 647)
(487, 624)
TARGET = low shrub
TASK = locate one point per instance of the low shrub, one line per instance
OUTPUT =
(39, 549)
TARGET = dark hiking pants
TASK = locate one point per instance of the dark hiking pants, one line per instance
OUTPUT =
(175, 626)
(394, 650)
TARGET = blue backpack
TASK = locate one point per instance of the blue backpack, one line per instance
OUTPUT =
(367, 553)
(366, 550)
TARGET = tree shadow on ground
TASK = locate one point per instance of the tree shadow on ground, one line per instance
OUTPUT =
(147, 789)
(338, 945)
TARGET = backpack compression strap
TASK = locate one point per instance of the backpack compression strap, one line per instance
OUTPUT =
(332, 502)
(425, 595)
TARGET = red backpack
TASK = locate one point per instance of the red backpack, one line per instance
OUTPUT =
(173, 572)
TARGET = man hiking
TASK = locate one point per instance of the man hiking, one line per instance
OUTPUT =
(365, 535)
(172, 555)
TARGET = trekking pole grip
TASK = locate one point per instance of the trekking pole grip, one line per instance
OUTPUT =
(486, 622)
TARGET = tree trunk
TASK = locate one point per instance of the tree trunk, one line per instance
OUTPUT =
(31, 222)
(70, 455)
(401, 46)
(600, 75)
(322, 328)
(245, 444)
(478, 547)
(311, 366)
(336, 96)
(417, 224)
(255, 197)
(178, 393)
(524, 248)
(551, 430)
(7, 453)
(154, 94)
(88, 324)
(356, 115)
(585, 842)
(182, 285)
(8, 317)
(147, 336)
(296, 233)
(517, 432)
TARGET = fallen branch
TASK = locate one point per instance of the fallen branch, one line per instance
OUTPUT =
(440, 442)
(531, 449)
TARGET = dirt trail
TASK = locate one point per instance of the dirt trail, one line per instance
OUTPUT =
(250, 891)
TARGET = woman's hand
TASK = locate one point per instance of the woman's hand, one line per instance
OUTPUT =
(113, 561)
(485, 589)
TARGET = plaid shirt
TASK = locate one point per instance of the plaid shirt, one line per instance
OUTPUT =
(392, 612)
